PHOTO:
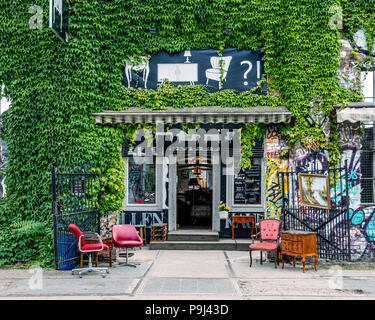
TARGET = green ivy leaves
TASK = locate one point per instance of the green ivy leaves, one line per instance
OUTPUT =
(56, 87)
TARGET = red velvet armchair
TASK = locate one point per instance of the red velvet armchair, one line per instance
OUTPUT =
(269, 239)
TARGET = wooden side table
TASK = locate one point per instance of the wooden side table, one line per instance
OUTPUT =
(142, 232)
(299, 244)
(243, 219)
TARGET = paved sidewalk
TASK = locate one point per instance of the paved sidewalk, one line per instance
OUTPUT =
(192, 275)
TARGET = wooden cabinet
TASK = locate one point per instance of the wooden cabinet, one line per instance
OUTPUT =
(299, 244)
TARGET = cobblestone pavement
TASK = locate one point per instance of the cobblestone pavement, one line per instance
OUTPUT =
(193, 275)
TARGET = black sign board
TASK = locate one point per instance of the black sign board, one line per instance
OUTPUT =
(78, 186)
(247, 184)
(232, 69)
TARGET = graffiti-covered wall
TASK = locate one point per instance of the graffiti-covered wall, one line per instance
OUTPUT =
(273, 146)
(362, 216)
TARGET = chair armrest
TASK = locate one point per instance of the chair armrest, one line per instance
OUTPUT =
(254, 236)
(97, 237)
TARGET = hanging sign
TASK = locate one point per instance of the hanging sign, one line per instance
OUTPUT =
(234, 69)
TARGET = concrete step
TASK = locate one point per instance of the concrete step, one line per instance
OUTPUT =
(193, 235)
(222, 244)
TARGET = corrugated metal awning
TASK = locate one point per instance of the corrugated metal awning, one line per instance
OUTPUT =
(357, 112)
(262, 114)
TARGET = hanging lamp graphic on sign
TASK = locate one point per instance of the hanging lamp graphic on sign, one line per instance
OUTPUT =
(234, 69)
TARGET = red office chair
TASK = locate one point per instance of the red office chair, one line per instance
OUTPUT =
(126, 236)
(88, 248)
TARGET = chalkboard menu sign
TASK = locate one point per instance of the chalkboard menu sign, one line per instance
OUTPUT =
(247, 184)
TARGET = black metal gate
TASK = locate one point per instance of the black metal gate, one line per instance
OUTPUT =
(75, 190)
(331, 225)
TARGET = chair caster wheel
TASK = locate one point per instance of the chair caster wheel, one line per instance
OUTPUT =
(73, 273)
(80, 275)
(103, 275)
(107, 270)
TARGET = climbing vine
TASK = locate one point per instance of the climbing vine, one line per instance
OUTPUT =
(249, 134)
(55, 87)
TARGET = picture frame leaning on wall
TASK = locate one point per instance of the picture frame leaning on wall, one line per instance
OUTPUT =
(314, 190)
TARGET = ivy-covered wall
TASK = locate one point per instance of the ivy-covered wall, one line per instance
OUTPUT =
(55, 87)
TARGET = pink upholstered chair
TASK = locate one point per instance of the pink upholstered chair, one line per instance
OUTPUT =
(126, 236)
(269, 239)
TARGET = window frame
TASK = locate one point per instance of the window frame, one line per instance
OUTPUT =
(248, 208)
(373, 168)
(368, 79)
(157, 206)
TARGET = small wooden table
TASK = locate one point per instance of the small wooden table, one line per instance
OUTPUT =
(243, 219)
(299, 243)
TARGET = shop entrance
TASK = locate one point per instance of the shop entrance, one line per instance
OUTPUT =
(194, 196)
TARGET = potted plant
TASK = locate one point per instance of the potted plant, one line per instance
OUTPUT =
(223, 210)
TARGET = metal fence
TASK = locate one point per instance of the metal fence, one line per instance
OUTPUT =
(331, 225)
(75, 190)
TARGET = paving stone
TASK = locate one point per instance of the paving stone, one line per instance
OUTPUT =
(199, 285)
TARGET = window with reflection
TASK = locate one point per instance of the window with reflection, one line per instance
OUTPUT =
(141, 182)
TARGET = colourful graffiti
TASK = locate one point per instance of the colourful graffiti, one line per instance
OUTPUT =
(273, 147)
(274, 200)
(362, 217)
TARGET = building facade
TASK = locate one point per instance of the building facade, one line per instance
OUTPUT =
(186, 193)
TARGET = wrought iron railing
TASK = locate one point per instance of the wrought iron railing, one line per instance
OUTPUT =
(331, 224)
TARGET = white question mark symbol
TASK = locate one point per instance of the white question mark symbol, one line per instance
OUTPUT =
(247, 71)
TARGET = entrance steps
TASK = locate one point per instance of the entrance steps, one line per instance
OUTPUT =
(193, 235)
(198, 240)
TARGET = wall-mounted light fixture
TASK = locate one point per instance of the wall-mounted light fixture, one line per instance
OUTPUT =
(320, 120)
(310, 120)
(229, 30)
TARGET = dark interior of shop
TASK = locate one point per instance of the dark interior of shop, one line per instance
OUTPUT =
(194, 198)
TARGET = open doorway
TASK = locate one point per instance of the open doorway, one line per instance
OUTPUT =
(194, 196)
